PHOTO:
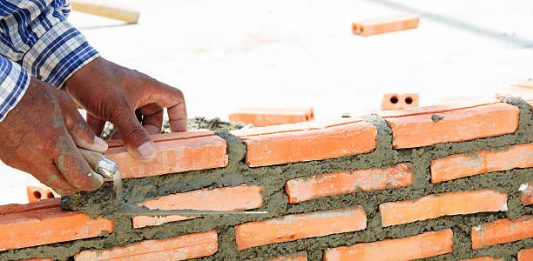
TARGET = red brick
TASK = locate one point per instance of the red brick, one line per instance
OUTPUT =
(483, 258)
(38, 193)
(294, 227)
(307, 141)
(415, 247)
(502, 231)
(446, 204)
(179, 248)
(300, 256)
(526, 193)
(395, 101)
(268, 117)
(344, 182)
(385, 25)
(228, 199)
(465, 165)
(45, 223)
(525, 254)
(176, 152)
(418, 127)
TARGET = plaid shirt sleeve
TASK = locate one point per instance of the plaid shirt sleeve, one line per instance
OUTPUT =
(37, 41)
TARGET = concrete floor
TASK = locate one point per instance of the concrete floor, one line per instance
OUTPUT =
(278, 53)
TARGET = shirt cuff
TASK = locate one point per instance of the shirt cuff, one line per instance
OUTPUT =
(14, 82)
(58, 54)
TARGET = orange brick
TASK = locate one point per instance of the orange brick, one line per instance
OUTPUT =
(465, 165)
(416, 247)
(300, 256)
(483, 258)
(307, 141)
(525, 254)
(446, 204)
(46, 224)
(419, 127)
(179, 248)
(294, 227)
(38, 193)
(39, 259)
(228, 199)
(268, 117)
(502, 231)
(344, 182)
(395, 101)
(176, 152)
(526, 193)
(385, 25)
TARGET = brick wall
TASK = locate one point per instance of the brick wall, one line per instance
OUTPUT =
(441, 182)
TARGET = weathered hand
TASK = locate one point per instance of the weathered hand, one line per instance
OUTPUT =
(41, 136)
(110, 92)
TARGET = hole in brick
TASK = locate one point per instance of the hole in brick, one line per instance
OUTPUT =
(37, 194)
(408, 100)
(394, 99)
(50, 195)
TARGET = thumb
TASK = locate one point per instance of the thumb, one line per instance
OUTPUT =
(135, 137)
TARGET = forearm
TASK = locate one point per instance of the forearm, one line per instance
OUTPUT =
(36, 35)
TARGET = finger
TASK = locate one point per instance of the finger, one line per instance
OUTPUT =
(73, 166)
(55, 180)
(152, 118)
(172, 99)
(116, 135)
(95, 124)
(80, 132)
(135, 137)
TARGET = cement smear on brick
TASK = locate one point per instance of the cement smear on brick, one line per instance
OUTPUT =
(273, 179)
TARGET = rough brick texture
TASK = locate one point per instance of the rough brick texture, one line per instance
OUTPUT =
(418, 128)
(299, 226)
(228, 199)
(502, 231)
(176, 152)
(307, 141)
(420, 246)
(483, 258)
(435, 206)
(464, 165)
(447, 182)
(180, 248)
(307, 188)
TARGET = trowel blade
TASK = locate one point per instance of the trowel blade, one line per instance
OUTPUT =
(130, 210)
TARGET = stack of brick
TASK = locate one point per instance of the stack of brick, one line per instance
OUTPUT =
(444, 182)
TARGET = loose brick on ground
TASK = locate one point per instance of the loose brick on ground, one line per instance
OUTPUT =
(315, 140)
(179, 248)
(525, 254)
(225, 199)
(438, 205)
(465, 165)
(268, 117)
(425, 245)
(502, 231)
(47, 224)
(385, 24)
(344, 182)
(417, 128)
(176, 152)
(298, 226)
(526, 193)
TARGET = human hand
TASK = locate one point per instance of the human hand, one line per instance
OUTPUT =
(41, 136)
(110, 92)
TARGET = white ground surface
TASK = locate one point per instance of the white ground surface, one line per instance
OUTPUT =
(290, 53)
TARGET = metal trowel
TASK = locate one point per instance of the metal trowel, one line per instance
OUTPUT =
(109, 169)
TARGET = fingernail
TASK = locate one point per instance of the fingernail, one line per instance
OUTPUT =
(146, 150)
(100, 144)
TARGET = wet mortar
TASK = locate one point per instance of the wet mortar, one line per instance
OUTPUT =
(273, 179)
